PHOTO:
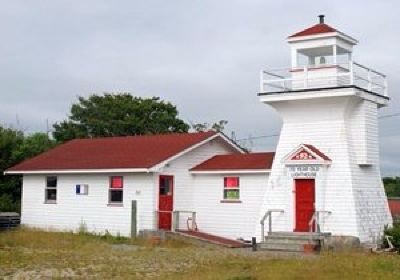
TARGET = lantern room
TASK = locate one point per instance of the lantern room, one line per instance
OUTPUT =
(322, 57)
(319, 46)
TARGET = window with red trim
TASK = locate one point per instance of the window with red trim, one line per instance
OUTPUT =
(116, 189)
(231, 188)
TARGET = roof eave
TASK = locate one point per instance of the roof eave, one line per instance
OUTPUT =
(77, 171)
(339, 34)
(159, 165)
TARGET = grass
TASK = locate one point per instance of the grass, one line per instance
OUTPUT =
(26, 254)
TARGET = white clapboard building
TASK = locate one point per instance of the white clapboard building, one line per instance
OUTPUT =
(323, 177)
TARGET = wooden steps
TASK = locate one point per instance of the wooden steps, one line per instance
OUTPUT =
(9, 220)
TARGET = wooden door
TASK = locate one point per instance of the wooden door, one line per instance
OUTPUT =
(305, 203)
(165, 202)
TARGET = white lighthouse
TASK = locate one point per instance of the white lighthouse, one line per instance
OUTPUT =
(326, 176)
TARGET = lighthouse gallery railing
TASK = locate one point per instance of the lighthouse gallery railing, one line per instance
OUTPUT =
(320, 76)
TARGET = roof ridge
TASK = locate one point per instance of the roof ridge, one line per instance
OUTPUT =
(211, 132)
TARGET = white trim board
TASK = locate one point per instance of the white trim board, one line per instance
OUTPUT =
(233, 171)
(158, 166)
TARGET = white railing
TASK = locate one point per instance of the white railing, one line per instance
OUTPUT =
(177, 224)
(315, 221)
(191, 223)
(321, 76)
(268, 215)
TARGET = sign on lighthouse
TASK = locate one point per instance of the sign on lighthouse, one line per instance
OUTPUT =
(327, 159)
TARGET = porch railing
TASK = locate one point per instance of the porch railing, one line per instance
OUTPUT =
(315, 221)
(343, 74)
(191, 223)
(268, 215)
(176, 216)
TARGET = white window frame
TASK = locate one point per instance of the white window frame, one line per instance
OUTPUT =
(231, 188)
(110, 189)
(47, 188)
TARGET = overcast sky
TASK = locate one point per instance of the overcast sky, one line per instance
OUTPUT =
(203, 56)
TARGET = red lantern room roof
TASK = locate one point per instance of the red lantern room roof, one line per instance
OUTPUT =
(313, 30)
(319, 28)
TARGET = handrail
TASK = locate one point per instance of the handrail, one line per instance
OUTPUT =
(268, 215)
(350, 73)
(316, 218)
(175, 219)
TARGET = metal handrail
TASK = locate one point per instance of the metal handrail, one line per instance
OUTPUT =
(316, 218)
(268, 215)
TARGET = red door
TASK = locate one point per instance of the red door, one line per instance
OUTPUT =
(305, 203)
(165, 202)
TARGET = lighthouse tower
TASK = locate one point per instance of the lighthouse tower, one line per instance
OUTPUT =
(326, 176)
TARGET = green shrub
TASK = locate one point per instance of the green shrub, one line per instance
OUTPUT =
(394, 232)
(8, 205)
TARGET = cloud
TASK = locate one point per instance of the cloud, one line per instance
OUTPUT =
(204, 56)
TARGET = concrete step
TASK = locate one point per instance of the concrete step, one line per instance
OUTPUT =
(299, 235)
(286, 247)
(290, 240)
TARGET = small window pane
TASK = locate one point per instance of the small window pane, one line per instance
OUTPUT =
(231, 194)
(51, 194)
(116, 182)
(231, 182)
(165, 185)
(51, 181)
(116, 196)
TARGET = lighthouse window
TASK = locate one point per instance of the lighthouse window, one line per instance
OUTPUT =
(231, 188)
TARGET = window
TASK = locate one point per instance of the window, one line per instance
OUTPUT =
(51, 189)
(165, 185)
(116, 189)
(231, 188)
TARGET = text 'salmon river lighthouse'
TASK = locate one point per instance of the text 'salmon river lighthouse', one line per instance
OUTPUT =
(325, 176)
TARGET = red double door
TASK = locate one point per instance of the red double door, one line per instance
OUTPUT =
(165, 202)
(304, 203)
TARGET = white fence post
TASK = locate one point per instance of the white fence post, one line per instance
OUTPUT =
(351, 71)
(305, 77)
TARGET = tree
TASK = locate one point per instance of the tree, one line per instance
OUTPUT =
(392, 186)
(15, 147)
(118, 114)
(217, 126)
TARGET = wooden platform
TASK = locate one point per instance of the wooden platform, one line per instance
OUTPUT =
(214, 239)
(9, 220)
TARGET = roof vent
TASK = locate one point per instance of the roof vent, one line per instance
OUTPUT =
(321, 19)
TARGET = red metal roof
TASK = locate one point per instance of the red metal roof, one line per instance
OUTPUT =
(318, 152)
(237, 162)
(316, 29)
(113, 152)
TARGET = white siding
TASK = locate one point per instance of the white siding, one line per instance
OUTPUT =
(348, 190)
(179, 168)
(72, 210)
(231, 220)
(369, 195)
